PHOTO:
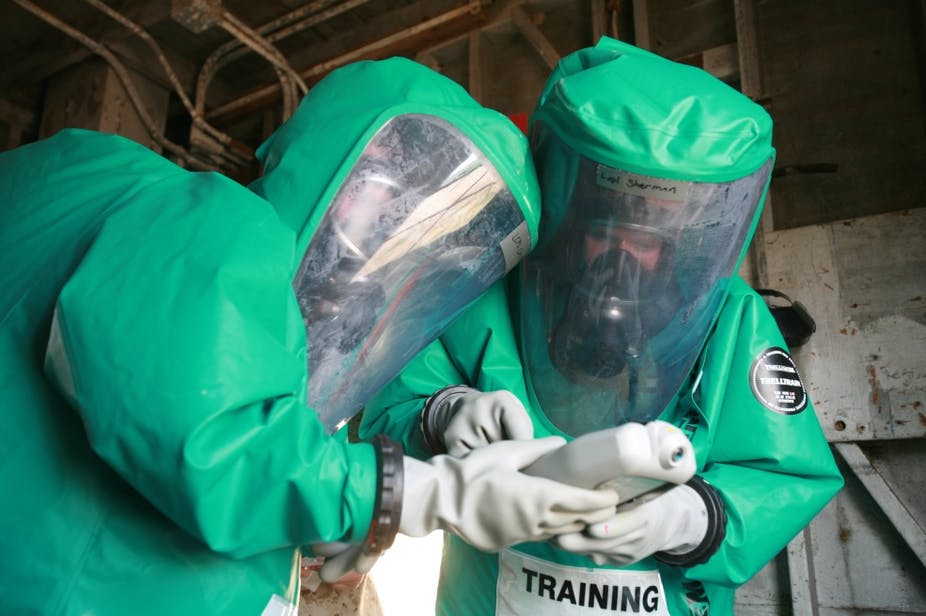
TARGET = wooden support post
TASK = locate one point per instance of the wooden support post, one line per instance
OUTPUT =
(14, 122)
(748, 48)
(475, 65)
(535, 37)
(900, 515)
(642, 25)
(90, 95)
(599, 15)
(428, 60)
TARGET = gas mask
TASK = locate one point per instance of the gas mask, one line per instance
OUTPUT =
(614, 308)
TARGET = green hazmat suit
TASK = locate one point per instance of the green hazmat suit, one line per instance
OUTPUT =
(160, 453)
(736, 392)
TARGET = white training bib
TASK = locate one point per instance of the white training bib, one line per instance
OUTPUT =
(278, 606)
(533, 587)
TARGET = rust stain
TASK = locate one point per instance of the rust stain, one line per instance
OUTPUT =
(873, 381)
(828, 286)
(917, 404)
(918, 298)
(922, 419)
(844, 331)
(844, 534)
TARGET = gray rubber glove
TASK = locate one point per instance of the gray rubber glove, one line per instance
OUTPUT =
(485, 499)
(681, 525)
(459, 419)
(341, 558)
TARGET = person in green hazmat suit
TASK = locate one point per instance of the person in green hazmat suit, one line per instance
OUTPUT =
(179, 351)
(629, 313)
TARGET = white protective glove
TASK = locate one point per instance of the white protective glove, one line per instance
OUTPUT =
(680, 525)
(342, 558)
(459, 419)
(484, 498)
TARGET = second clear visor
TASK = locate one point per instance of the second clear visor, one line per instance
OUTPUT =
(422, 225)
(616, 307)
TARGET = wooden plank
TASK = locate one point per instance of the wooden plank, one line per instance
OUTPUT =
(18, 120)
(642, 24)
(91, 96)
(862, 281)
(881, 493)
(748, 48)
(44, 58)
(801, 574)
(461, 17)
(599, 15)
(475, 65)
(428, 59)
(720, 61)
(535, 37)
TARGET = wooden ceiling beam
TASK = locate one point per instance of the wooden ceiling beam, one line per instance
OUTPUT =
(35, 63)
(535, 37)
(408, 41)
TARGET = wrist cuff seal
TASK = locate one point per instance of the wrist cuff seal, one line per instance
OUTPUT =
(716, 528)
(387, 509)
(430, 424)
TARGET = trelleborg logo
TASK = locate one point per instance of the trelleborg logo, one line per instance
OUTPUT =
(776, 384)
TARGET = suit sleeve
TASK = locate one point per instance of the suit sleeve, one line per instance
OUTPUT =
(180, 342)
(766, 453)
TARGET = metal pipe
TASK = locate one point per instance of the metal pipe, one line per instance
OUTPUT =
(123, 75)
(291, 84)
(234, 106)
(246, 35)
(196, 116)
(272, 31)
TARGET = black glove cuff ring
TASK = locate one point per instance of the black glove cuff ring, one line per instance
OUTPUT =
(428, 422)
(716, 528)
(387, 509)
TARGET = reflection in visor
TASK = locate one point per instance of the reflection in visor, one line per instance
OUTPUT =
(371, 189)
(618, 303)
(415, 233)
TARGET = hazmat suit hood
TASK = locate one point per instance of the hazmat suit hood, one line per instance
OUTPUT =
(408, 199)
(653, 175)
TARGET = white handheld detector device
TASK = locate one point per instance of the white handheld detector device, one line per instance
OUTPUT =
(630, 459)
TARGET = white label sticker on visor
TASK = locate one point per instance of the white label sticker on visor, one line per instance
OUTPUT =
(516, 246)
(641, 185)
(528, 585)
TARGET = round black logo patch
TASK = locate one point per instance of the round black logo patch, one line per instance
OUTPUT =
(776, 383)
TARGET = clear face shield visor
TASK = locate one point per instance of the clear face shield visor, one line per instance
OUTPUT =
(616, 307)
(421, 226)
